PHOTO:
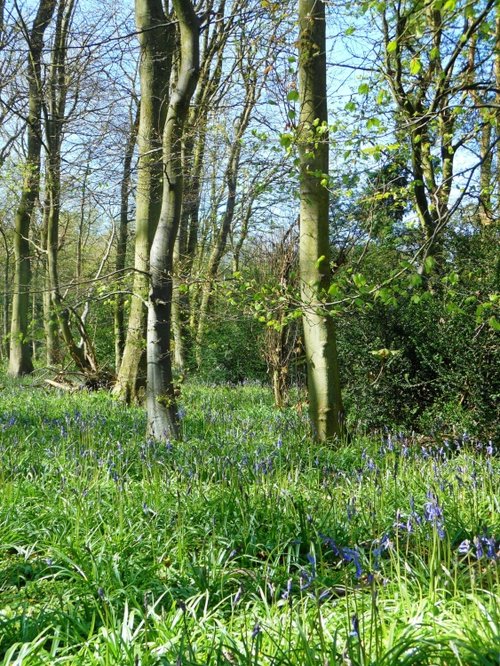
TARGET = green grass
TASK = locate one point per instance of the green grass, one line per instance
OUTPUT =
(244, 544)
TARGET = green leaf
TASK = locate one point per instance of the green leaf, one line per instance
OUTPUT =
(293, 96)
(334, 290)
(494, 323)
(373, 122)
(429, 264)
(415, 66)
(286, 140)
(364, 89)
(359, 280)
(415, 280)
(320, 260)
(392, 46)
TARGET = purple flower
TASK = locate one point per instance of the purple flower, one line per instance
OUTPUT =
(490, 548)
(352, 555)
(287, 594)
(237, 596)
(312, 561)
(479, 547)
(256, 630)
(324, 595)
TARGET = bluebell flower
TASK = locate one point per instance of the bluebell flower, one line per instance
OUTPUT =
(324, 595)
(256, 630)
(312, 561)
(491, 550)
(479, 547)
(287, 594)
(238, 596)
(352, 555)
(355, 627)
(328, 541)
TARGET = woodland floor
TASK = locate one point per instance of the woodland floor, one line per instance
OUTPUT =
(243, 544)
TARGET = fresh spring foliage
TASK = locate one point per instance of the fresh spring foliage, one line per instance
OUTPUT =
(243, 544)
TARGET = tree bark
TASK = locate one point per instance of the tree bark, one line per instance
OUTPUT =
(193, 154)
(20, 361)
(161, 408)
(6, 303)
(325, 402)
(121, 247)
(156, 42)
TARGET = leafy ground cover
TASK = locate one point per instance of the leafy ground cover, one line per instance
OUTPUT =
(245, 544)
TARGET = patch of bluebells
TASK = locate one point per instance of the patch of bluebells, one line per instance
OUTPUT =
(433, 513)
(345, 553)
(480, 546)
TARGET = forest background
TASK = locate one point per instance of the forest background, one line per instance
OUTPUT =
(414, 188)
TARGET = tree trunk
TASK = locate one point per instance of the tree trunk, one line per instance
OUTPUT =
(211, 68)
(20, 361)
(326, 410)
(83, 356)
(52, 350)
(162, 413)
(121, 248)
(156, 42)
(5, 309)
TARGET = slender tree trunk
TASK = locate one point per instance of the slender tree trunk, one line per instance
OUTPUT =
(20, 361)
(162, 413)
(6, 302)
(211, 66)
(121, 248)
(81, 223)
(52, 347)
(326, 410)
(156, 41)
(497, 101)
(83, 357)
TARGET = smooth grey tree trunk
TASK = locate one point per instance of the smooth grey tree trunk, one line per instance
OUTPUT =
(160, 396)
(155, 34)
(325, 402)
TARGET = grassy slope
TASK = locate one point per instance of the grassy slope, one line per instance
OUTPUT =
(243, 545)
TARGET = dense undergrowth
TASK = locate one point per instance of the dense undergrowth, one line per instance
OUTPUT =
(244, 544)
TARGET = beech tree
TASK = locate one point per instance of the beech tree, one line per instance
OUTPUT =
(325, 402)
(155, 33)
(162, 413)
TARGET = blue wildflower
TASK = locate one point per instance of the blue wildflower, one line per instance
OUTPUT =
(352, 555)
(479, 547)
(256, 630)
